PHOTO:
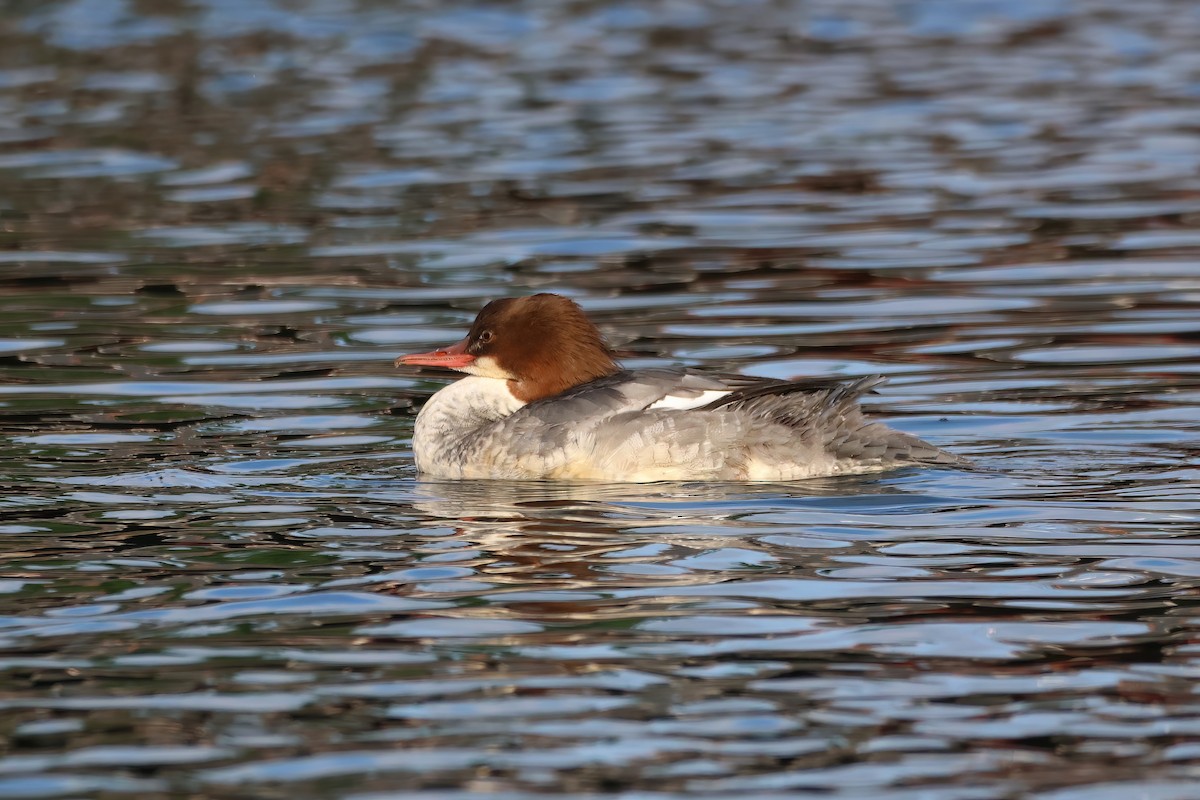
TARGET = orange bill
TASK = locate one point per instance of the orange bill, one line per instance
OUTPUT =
(453, 357)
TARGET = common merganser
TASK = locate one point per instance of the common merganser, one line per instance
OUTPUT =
(545, 400)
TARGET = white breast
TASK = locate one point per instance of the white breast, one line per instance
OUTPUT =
(446, 425)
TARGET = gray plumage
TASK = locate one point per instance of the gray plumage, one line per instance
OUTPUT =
(663, 424)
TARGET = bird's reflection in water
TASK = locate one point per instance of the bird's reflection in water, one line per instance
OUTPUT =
(558, 542)
(620, 507)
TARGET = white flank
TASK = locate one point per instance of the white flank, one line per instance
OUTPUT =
(675, 403)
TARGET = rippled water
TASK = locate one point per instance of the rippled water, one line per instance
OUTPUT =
(221, 221)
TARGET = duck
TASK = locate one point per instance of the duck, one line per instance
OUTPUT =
(544, 399)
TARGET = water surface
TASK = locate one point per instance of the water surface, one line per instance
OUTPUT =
(220, 222)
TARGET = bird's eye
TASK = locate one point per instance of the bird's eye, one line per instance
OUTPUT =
(484, 337)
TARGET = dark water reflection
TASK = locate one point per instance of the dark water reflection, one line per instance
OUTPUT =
(219, 222)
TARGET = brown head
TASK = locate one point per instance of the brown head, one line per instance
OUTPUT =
(542, 345)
